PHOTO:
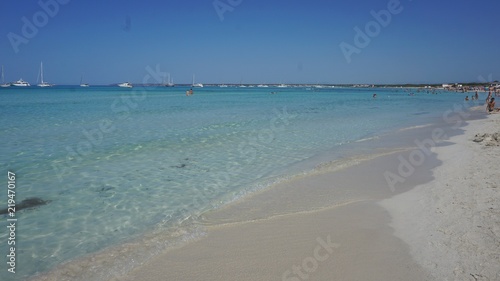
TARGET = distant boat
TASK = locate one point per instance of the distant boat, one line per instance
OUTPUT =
(21, 83)
(196, 85)
(43, 83)
(170, 82)
(223, 86)
(262, 86)
(282, 86)
(125, 85)
(83, 84)
(4, 85)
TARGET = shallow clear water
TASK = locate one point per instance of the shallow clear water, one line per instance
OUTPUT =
(116, 163)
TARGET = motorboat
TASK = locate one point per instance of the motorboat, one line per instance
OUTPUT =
(21, 83)
(125, 85)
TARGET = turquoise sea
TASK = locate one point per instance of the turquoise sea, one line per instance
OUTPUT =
(122, 165)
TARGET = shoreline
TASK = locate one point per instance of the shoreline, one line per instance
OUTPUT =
(263, 239)
(272, 234)
(244, 212)
(292, 247)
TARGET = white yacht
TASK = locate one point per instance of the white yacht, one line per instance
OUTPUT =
(125, 85)
(43, 83)
(21, 83)
(196, 85)
(4, 85)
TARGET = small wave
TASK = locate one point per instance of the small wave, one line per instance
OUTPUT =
(368, 139)
(415, 127)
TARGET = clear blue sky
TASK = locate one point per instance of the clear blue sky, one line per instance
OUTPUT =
(292, 41)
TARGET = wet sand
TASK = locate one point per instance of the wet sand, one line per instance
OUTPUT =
(349, 242)
(273, 234)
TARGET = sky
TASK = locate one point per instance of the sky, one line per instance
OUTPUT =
(251, 41)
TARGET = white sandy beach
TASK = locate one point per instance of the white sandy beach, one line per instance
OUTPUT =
(452, 224)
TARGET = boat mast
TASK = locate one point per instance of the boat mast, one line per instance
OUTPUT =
(41, 72)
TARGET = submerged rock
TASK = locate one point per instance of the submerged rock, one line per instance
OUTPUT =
(26, 204)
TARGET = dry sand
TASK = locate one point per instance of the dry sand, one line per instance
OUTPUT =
(452, 224)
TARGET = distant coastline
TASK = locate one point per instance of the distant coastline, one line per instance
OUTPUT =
(473, 86)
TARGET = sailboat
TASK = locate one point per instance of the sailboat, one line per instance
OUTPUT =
(83, 84)
(170, 82)
(197, 85)
(4, 85)
(43, 83)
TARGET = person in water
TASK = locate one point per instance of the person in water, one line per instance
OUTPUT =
(467, 98)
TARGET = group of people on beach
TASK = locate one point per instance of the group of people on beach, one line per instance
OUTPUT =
(490, 102)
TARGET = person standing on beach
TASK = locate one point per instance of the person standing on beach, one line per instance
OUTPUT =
(491, 105)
